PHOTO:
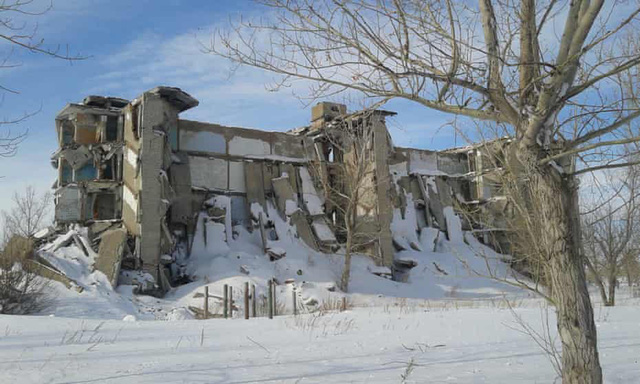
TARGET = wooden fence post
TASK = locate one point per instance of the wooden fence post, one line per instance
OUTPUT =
(253, 300)
(270, 299)
(275, 299)
(206, 302)
(225, 301)
(231, 302)
(295, 308)
(246, 301)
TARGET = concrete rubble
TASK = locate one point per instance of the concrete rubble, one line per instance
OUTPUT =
(145, 182)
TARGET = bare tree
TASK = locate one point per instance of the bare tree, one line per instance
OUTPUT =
(606, 243)
(609, 231)
(28, 215)
(22, 290)
(19, 33)
(347, 171)
(556, 95)
(631, 266)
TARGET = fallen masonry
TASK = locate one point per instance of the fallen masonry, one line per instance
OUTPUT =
(138, 188)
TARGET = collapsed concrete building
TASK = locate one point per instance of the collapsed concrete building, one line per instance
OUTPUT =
(141, 179)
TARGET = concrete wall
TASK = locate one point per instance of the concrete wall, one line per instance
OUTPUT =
(197, 138)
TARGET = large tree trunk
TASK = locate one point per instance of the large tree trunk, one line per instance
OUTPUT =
(552, 202)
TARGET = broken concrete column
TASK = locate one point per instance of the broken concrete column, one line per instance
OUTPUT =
(159, 115)
(326, 111)
(382, 148)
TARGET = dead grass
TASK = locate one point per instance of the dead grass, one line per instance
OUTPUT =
(335, 304)
(322, 324)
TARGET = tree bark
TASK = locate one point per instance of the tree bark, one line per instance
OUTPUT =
(346, 270)
(613, 279)
(554, 199)
(349, 226)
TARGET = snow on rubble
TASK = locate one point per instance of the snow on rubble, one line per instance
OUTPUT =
(232, 255)
(91, 294)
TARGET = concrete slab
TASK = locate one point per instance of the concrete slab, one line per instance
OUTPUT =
(444, 192)
(435, 206)
(290, 170)
(270, 171)
(303, 229)
(283, 192)
(236, 176)
(254, 183)
(76, 158)
(208, 173)
(112, 247)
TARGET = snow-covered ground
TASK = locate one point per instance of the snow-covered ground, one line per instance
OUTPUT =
(447, 323)
(443, 343)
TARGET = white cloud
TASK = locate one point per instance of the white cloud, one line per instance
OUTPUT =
(222, 89)
(238, 96)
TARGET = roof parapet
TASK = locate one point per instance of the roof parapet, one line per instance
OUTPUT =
(176, 97)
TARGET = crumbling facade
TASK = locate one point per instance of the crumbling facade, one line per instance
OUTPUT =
(89, 161)
(142, 180)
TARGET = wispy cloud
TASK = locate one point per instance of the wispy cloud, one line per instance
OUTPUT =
(240, 96)
(225, 91)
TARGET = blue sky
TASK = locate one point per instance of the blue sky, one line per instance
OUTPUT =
(133, 46)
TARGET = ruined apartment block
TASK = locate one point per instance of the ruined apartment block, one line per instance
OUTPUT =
(143, 180)
(89, 161)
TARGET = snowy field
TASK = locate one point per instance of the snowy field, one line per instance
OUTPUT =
(447, 342)
(448, 323)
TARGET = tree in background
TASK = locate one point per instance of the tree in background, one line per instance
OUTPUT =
(22, 290)
(545, 73)
(610, 229)
(28, 215)
(631, 266)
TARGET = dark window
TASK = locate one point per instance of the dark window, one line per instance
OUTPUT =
(87, 172)
(67, 132)
(107, 170)
(112, 128)
(104, 206)
(66, 173)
